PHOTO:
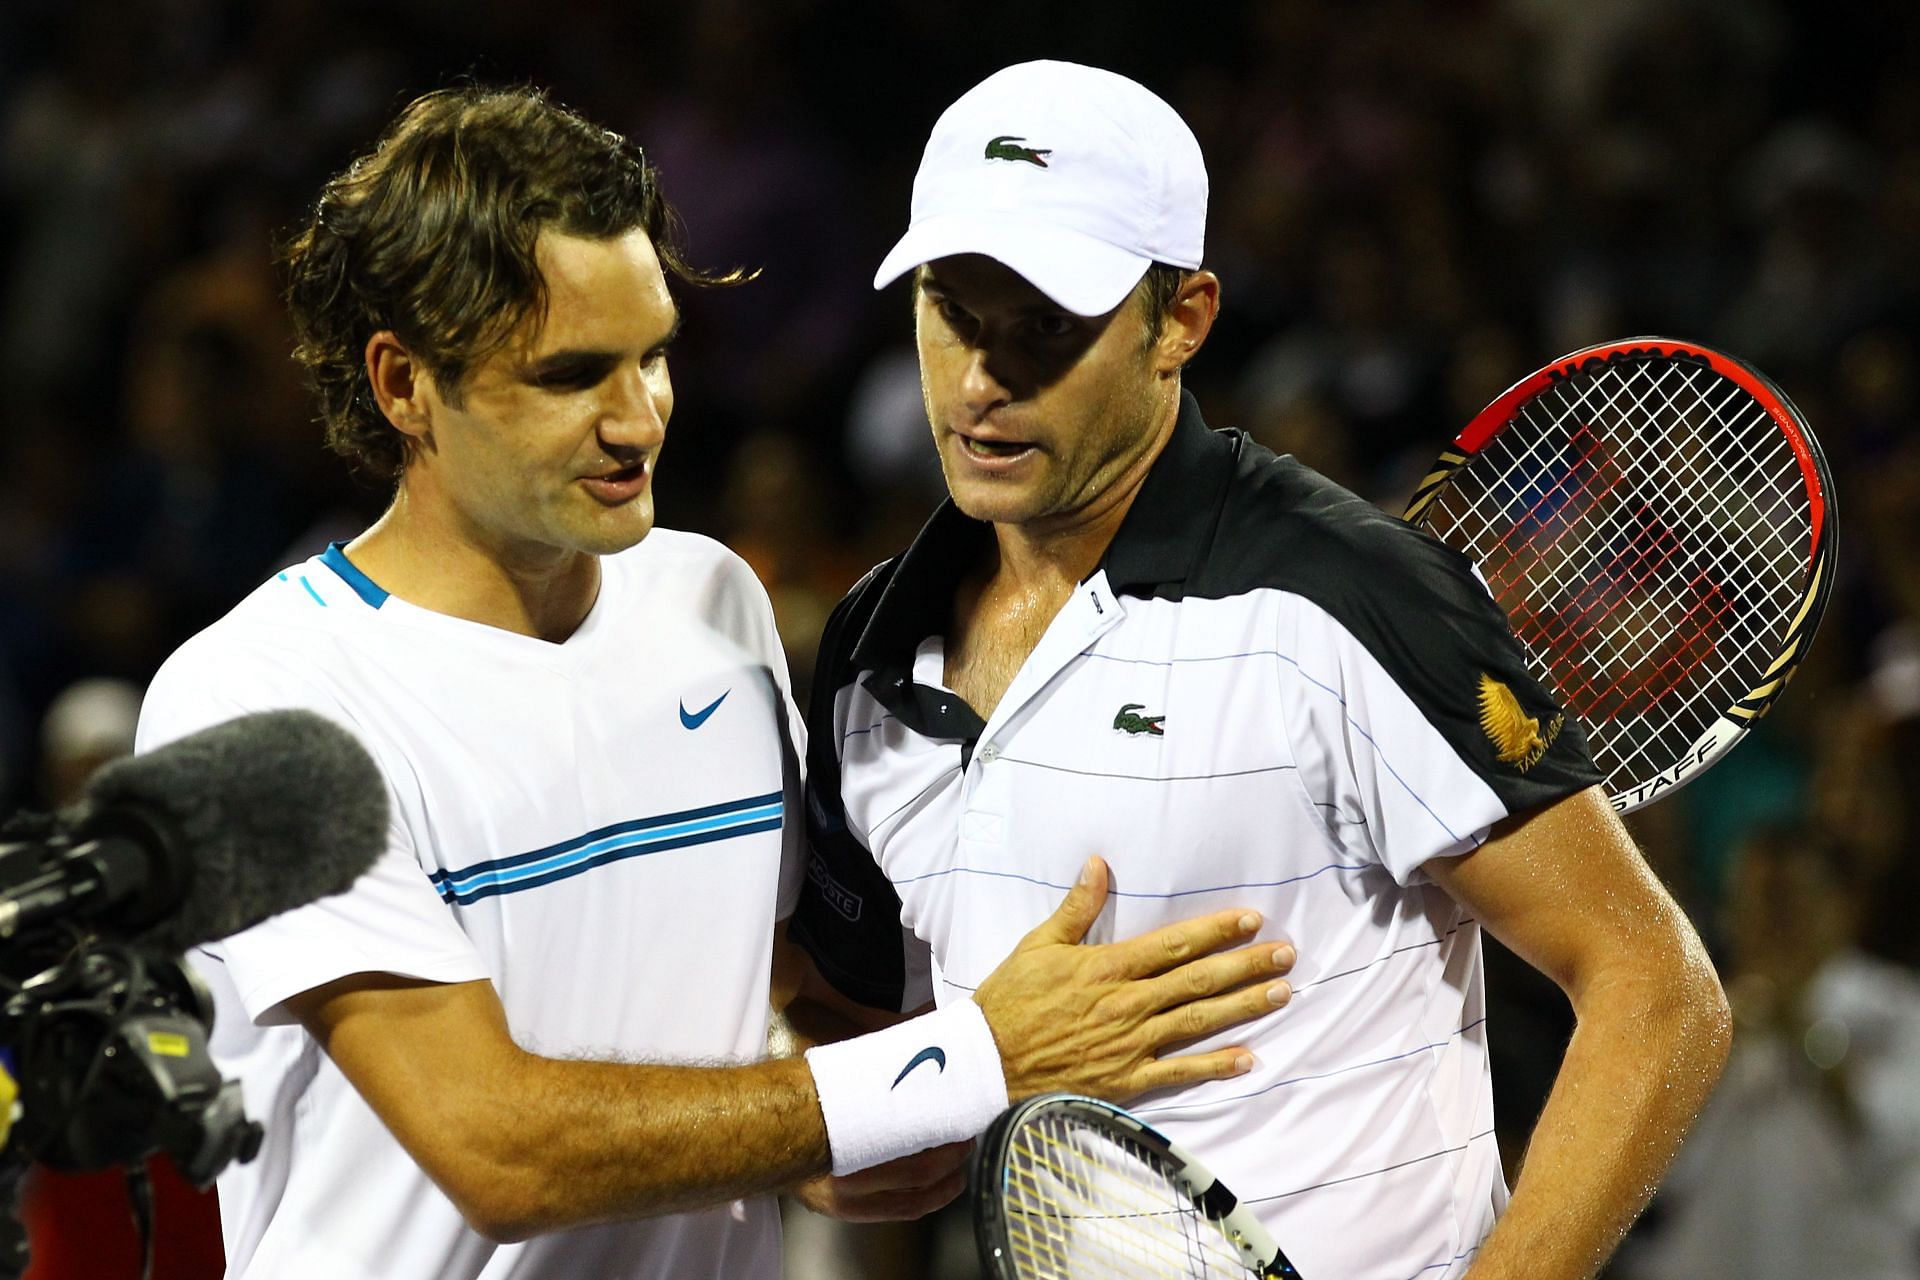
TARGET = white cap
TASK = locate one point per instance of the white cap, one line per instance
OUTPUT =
(1076, 178)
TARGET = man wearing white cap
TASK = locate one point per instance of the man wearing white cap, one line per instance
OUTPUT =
(1128, 633)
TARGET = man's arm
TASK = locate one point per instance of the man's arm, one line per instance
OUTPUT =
(815, 1012)
(524, 1144)
(1566, 890)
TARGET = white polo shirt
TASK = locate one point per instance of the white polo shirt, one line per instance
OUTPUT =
(596, 827)
(1269, 695)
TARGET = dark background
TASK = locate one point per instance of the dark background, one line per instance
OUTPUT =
(1413, 205)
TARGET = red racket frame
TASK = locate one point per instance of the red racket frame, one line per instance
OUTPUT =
(1734, 720)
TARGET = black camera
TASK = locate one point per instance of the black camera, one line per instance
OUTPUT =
(107, 1034)
(105, 1023)
(110, 1055)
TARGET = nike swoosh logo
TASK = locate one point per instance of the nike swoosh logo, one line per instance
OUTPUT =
(694, 719)
(932, 1053)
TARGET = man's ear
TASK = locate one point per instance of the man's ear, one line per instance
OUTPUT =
(399, 385)
(1187, 323)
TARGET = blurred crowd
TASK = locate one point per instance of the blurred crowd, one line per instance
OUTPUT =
(1413, 204)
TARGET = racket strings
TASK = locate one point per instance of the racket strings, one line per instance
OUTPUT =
(1082, 1201)
(1645, 551)
(1645, 528)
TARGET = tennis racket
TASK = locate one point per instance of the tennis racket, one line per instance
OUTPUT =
(1658, 522)
(1067, 1188)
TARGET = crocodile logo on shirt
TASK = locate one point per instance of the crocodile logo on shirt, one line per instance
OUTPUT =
(1515, 735)
(1004, 148)
(1129, 721)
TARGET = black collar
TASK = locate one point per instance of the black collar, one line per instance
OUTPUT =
(1163, 540)
(1169, 529)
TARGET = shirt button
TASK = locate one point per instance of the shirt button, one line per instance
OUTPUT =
(989, 753)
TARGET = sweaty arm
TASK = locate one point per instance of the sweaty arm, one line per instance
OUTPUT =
(1565, 888)
(524, 1144)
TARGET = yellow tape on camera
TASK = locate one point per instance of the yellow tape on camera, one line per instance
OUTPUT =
(169, 1044)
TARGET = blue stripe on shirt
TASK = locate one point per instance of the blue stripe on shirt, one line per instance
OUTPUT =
(614, 843)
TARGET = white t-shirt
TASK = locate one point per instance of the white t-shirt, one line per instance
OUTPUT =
(596, 827)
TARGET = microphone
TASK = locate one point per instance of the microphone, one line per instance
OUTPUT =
(208, 835)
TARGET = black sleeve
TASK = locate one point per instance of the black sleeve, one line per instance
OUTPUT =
(848, 917)
(1417, 606)
(1462, 666)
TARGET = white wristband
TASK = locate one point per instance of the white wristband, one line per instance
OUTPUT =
(932, 1080)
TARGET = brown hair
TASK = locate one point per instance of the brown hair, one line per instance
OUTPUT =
(432, 235)
(1157, 290)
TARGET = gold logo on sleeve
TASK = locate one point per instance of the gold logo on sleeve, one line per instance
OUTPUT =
(1515, 735)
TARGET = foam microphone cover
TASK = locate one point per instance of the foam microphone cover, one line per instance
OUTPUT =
(240, 822)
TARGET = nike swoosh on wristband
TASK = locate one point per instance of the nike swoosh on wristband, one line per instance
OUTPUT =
(932, 1053)
(694, 719)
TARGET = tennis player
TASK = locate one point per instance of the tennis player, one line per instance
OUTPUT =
(1128, 632)
(465, 1064)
